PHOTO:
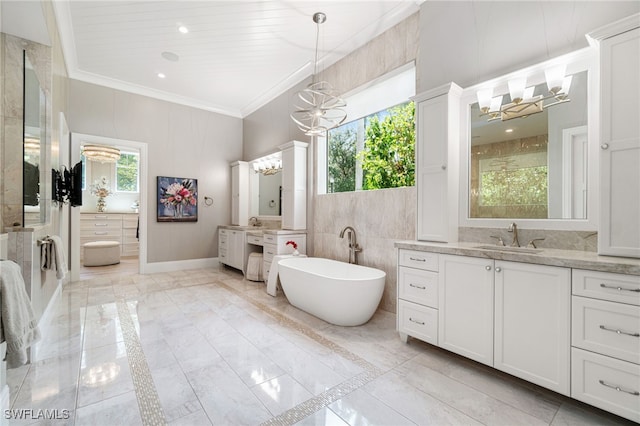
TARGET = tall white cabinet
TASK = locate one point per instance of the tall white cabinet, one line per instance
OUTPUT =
(619, 230)
(437, 160)
(240, 193)
(294, 185)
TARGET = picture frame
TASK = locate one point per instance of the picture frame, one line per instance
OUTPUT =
(177, 199)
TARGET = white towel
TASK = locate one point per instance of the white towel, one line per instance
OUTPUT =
(52, 256)
(19, 325)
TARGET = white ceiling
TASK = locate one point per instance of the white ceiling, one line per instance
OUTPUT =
(237, 56)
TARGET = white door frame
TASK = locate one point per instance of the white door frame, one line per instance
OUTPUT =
(76, 140)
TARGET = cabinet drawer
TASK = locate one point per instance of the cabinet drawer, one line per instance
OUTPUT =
(418, 321)
(101, 234)
(255, 240)
(100, 216)
(608, 328)
(418, 259)
(268, 251)
(270, 238)
(606, 286)
(100, 224)
(416, 285)
(222, 232)
(607, 383)
(129, 221)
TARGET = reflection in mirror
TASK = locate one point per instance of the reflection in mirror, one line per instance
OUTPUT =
(534, 166)
(266, 185)
(33, 145)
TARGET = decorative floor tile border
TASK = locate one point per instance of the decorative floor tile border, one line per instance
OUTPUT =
(145, 389)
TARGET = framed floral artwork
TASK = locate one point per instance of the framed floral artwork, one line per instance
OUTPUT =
(177, 199)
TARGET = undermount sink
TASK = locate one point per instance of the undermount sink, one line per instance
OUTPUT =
(510, 249)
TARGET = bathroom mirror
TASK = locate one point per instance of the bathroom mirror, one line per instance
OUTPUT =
(531, 167)
(34, 137)
(265, 177)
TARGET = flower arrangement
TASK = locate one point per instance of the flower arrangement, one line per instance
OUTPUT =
(100, 188)
(292, 244)
(178, 195)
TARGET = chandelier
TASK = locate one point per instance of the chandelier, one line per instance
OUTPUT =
(101, 153)
(320, 107)
(523, 102)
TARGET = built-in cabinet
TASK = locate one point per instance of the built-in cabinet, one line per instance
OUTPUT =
(275, 244)
(619, 229)
(231, 248)
(120, 227)
(574, 331)
(605, 339)
(240, 193)
(294, 185)
(437, 159)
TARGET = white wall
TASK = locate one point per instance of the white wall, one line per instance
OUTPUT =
(182, 142)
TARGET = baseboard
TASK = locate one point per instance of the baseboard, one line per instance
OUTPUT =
(180, 265)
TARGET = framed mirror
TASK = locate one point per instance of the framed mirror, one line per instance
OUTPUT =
(34, 143)
(266, 186)
(532, 161)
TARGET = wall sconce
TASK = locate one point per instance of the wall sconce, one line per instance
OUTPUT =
(101, 153)
(523, 102)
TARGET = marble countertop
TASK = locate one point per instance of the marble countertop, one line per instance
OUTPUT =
(543, 256)
(260, 230)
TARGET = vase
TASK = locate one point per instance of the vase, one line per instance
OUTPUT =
(295, 252)
(102, 205)
(177, 210)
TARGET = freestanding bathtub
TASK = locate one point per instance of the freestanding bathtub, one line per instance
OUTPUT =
(337, 292)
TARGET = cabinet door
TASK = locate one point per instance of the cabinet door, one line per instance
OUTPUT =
(240, 193)
(532, 323)
(465, 319)
(619, 231)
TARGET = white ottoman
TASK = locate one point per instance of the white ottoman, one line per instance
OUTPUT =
(100, 253)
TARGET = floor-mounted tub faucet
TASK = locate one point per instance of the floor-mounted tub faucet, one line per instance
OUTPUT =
(354, 247)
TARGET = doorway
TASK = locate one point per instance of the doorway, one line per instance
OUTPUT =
(77, 141)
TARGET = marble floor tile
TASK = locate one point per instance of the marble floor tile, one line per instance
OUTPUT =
(324, 417)
(198, 418)
(118, 410)
(281, 393)
(360, 408)
(176, 395)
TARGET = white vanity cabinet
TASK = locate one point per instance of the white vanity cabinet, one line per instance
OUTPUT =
(466, 306)
(437, 124)
(231, 248)
(532, 323)
(418, 296)
(605, 354)
(274, 243)
(619, 229)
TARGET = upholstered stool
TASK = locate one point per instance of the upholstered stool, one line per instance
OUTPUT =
(100, 253)
(254, 267)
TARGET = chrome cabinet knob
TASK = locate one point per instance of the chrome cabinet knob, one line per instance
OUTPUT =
(604, 146)
(498, 269)
(488, 268)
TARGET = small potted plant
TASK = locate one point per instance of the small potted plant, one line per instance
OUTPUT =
(295, 247)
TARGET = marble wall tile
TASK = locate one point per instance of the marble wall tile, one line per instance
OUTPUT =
(563, 240)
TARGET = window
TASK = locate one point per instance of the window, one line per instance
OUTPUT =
(127, 172)
(377, 149)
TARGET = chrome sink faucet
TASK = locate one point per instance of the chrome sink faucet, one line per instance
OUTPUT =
(514, 228)
(354, 247)
(254, 221)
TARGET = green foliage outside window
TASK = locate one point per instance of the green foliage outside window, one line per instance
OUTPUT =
(341, 165)
(526, 186)
(127, 173)
(388, 160)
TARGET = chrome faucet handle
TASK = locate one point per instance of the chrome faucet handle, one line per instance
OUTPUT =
(500, 241)
(532, 243)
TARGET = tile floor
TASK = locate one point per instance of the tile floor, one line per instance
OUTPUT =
(206, 347)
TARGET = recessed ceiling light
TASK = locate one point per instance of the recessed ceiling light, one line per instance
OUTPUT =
(170, 56)
(183, 29)
(160, 75)
(509, 131)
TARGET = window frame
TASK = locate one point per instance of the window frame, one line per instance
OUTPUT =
(137, 189)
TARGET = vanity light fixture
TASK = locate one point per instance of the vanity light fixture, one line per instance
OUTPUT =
(523, 101)
(322, 107)
(268, 166)
(31, 145)
(101, 153)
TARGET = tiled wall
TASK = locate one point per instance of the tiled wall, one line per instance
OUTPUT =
(379, 217)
